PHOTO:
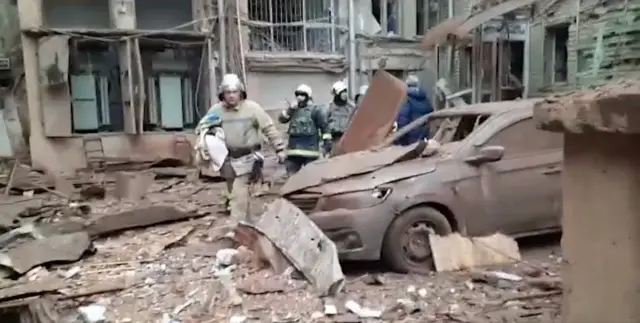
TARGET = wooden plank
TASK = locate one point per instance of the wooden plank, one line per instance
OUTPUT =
(484, 16)
(53, 60)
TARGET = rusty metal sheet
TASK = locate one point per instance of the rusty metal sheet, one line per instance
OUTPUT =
(490, 13)
(439, 34)
(37, 287)
(374, 119)
(137, 218)
(333, 169)
(60, 248)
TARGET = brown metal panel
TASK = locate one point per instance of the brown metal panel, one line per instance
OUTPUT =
(374, 119)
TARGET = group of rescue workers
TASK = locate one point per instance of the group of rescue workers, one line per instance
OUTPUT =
(238, 124)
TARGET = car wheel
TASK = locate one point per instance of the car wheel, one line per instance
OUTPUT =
(406, 243)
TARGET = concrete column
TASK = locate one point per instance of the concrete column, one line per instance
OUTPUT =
(601, 221)
(601, 204)
(123, 16)
(30, 16)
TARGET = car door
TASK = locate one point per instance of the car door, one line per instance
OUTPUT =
(525, 185)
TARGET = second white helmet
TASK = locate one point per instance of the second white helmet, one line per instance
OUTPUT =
(363, 89)
(338, 87)
(304, 89)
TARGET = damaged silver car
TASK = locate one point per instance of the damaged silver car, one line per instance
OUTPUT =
(487, 169)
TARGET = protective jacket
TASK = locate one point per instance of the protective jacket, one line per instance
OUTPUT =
(243, 125)
(416, 106)
(306, 126)
(339, 117)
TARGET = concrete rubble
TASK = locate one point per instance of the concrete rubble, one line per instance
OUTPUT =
(161, 250)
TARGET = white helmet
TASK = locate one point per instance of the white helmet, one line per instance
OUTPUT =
(231, 82)
(412, 80)
(303, 88)
(338, 87)
(363, 89)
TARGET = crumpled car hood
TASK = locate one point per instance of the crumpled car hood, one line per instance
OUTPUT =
(372, 169)
(344, 166)
(368, 181)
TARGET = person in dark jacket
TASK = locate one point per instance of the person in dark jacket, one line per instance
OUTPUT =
(416, 106)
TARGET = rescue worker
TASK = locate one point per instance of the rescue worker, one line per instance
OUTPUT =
(242, 121)
(361, 92)
(307, 125)
(416, 106)
(339, 113)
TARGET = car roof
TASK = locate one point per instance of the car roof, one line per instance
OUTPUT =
(490, 108)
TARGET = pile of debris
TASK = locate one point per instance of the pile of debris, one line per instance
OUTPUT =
(73, 257)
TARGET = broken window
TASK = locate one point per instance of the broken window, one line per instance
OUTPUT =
(556, 53)
(430, 13)
(76, 14)
(293, 25)
(171, 76)
(453, 129)
(163, 14)
(94, 80)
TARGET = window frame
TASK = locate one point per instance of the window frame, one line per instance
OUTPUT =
(550, 51)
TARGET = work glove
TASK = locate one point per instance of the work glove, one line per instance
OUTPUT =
(281, 156)
(327, 146)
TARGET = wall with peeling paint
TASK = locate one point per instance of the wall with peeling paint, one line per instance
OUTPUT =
(602, 43)
(12, 139)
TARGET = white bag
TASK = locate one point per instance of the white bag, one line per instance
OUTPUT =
(217, 150)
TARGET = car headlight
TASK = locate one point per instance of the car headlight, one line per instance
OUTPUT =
(355, 200)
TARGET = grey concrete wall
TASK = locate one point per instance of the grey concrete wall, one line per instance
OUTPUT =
(270, 89)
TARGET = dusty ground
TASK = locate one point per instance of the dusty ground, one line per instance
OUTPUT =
(169, 272)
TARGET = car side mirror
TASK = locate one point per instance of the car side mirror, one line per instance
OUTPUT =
(486, 154)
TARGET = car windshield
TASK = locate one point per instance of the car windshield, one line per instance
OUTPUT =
(455, 128)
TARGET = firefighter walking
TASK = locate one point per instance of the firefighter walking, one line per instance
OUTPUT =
(307, 127)
(243, 121)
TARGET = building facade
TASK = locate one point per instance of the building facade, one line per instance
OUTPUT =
(580, 44)
(120, 81)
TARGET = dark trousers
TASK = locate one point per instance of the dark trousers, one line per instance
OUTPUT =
(293, 163)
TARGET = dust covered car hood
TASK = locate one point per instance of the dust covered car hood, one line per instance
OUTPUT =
(363, 170)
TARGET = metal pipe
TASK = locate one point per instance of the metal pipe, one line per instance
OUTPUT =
(526, 60)
(384, 17)
(305, 41)
(450, 49)
(222, 36)
(495, 74)
(213, 86)
(332, 20)
(272, 39)
(352, 49)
